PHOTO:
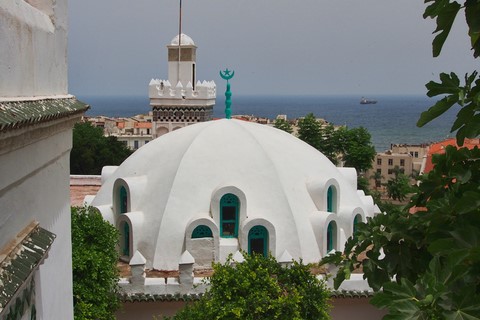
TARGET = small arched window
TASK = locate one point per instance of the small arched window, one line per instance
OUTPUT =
(124, 238)
(258, 240)
(123, 200)
(356, 221)
(331, 236)
(229, 209)
(331, 199)
(202, 231)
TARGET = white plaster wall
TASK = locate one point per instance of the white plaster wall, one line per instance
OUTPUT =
(35, 186)
(33, 48)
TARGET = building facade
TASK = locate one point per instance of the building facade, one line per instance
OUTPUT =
(36, 120)
(213, 189)
(181, 99)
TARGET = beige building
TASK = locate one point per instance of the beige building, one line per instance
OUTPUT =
(410, 159)
(134, 132)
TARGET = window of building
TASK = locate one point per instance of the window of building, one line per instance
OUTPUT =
(356, 221)
(135, 144)
(379, 170)
(379, 161)
(258, 240)
(390, 171)
(124, 238)
(331, 236)
(123, 197)
(416, 154)
(147, 141)
(390, 162)
(411, 153)
(402, 162)
(229, 209)
(202, 231)
(331, 199)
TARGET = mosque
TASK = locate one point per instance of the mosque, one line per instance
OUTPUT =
(215, 188)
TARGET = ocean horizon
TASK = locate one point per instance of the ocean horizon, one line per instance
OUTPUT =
(392, 120)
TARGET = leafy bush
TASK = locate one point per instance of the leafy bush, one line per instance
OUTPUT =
(259, 288)
(94, 262)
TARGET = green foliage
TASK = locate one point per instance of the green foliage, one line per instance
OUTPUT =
(92, 150)
(283, 124)
(309, 130)
(94, 262)
(428, 263)
(352, 146)
(399, 186)
(259, 288)
(357, 149)
(433, 255)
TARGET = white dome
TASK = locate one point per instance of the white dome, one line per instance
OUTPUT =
(175, 183)
(186, 40)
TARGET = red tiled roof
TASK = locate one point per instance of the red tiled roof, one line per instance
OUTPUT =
(146, 125)
(439, 148)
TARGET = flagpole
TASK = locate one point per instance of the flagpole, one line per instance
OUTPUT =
(179, 41)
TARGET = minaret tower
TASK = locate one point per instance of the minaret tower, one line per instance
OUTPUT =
(181, 100)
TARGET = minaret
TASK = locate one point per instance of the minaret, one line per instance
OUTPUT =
(181, 100)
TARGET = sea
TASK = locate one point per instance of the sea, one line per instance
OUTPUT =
(392, 120)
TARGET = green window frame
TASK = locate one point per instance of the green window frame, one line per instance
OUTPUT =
(331, 233)
(123, 200)
(331, 194)
(356, 221)
(229, 210)
(202, 231)
(125, 249)
(258, 240)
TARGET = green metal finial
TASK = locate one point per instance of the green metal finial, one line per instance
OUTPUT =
(227, 75)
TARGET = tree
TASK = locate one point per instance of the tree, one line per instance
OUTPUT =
(399, 186)
(309, 130)
(377, 177)
(94, 262)
(428, 263)
(259, 288)
(92, 151)
(283, 124)
(357, 151)
(352, 146)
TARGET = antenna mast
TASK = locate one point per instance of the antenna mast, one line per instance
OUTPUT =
(179, 41)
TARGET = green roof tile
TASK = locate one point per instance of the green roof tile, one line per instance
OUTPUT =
(20, 264)
(17, 114)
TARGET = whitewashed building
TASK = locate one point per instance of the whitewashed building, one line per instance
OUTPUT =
(198, 194)
(36, 120)
(181, 99)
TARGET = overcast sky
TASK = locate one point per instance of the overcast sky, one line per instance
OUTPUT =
(317, 47)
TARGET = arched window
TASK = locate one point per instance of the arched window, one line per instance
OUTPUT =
(331, 236)
(258, 240)
(124, 238)
(229, 208)
(123, 200)
(202, 231)
(356, 220)
(331, 199)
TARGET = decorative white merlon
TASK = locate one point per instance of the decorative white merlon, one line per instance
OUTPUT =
(186, 258)
(189, 85)
(238, 257)
(137, 259)
(179, 85)
(285, 257)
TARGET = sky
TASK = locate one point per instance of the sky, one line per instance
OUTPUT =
(275, 47)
